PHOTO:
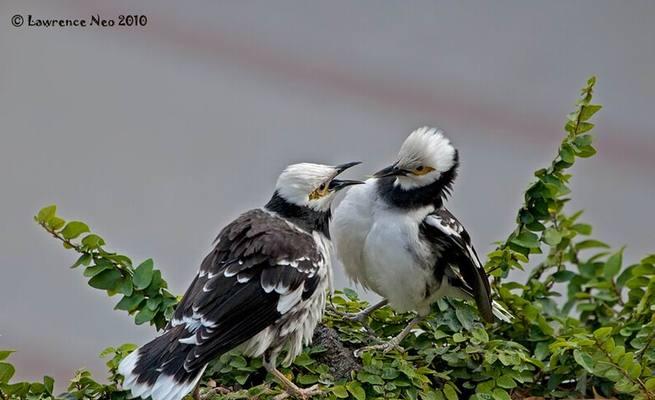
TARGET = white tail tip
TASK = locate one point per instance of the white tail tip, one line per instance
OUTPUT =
(501, 312)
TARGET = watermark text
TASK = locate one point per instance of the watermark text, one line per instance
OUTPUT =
(93, 21)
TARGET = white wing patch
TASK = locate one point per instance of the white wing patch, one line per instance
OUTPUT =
(194, 322)
(287, 301)
(448, 226)
(453, 228)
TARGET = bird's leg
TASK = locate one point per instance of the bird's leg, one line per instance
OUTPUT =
(196, 392)
(290, 387)
(362, 315)
(393, 343)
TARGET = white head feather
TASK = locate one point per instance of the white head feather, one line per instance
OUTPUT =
(298, 181)
(426, 147)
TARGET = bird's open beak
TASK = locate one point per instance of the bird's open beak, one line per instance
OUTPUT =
(338, 184)
(342, 167)
(391, 170)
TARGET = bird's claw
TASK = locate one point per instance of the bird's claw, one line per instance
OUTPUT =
(356, 317)
(385, 347)
(359, 317)
(298, 393)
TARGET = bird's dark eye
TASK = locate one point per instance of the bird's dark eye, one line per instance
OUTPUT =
(422, 170)
(319, 192)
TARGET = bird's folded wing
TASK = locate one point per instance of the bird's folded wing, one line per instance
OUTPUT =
(444, 229)
(260, 268)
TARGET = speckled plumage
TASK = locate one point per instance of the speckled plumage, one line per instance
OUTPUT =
(261, 289)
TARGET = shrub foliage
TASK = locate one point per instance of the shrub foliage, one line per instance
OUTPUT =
(592, 336)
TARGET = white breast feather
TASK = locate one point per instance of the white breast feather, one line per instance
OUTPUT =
(351, 222)
(398, 265)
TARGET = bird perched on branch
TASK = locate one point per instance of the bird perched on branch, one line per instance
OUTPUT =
(394, 236)
(261, 289)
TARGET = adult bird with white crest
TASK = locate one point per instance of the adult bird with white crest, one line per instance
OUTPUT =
(394, 235)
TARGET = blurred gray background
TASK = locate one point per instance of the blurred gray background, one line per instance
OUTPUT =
(158, 136)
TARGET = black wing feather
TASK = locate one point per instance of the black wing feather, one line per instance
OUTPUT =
(457, 252)
(256, 259)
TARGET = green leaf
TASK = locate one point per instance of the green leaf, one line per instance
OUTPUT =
(480, 334)
(587, 151)
(566, 154)
(355, 388)
(127, 347)
(389, 373)
(85, 259)
(241, 378)
(563, 276)
(584, 229)
(5, 353)
(583, 140)
(552, 237)
(450, 392)
(585, 127)
(526, 239)
(55, 223)
(143, 274)
(129, 303)
(6, 372)
(458, 337)
(486, 386)
(93, 241)
(505, 382)
(584, 360)
(49, 384)
(144, 315)
(367, 377)
(625, 275)
(307, 379)
(94, 270)
(109, 351)
(613, 264)
(591, 243)
(125, 287)
(74, 229)
(46, 213)
(465, 316)
(340, 391)
(37, 388)
(239, 362)
(603, 333)
(634, 370)
(650, 259)
(587, 111)
(500, 394)
(105, 280)
(650, 384)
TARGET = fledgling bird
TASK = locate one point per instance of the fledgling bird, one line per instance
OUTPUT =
(262, 288)
(394, 236)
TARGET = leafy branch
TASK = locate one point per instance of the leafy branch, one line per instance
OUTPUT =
(145, 293)
(537, 219)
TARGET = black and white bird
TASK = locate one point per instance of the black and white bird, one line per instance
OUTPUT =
(262, 289)
(394, 236)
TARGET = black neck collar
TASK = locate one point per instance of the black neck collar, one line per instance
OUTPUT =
(433, 194)
(304, 217)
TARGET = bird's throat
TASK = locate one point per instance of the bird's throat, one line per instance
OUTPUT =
(304, 217)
